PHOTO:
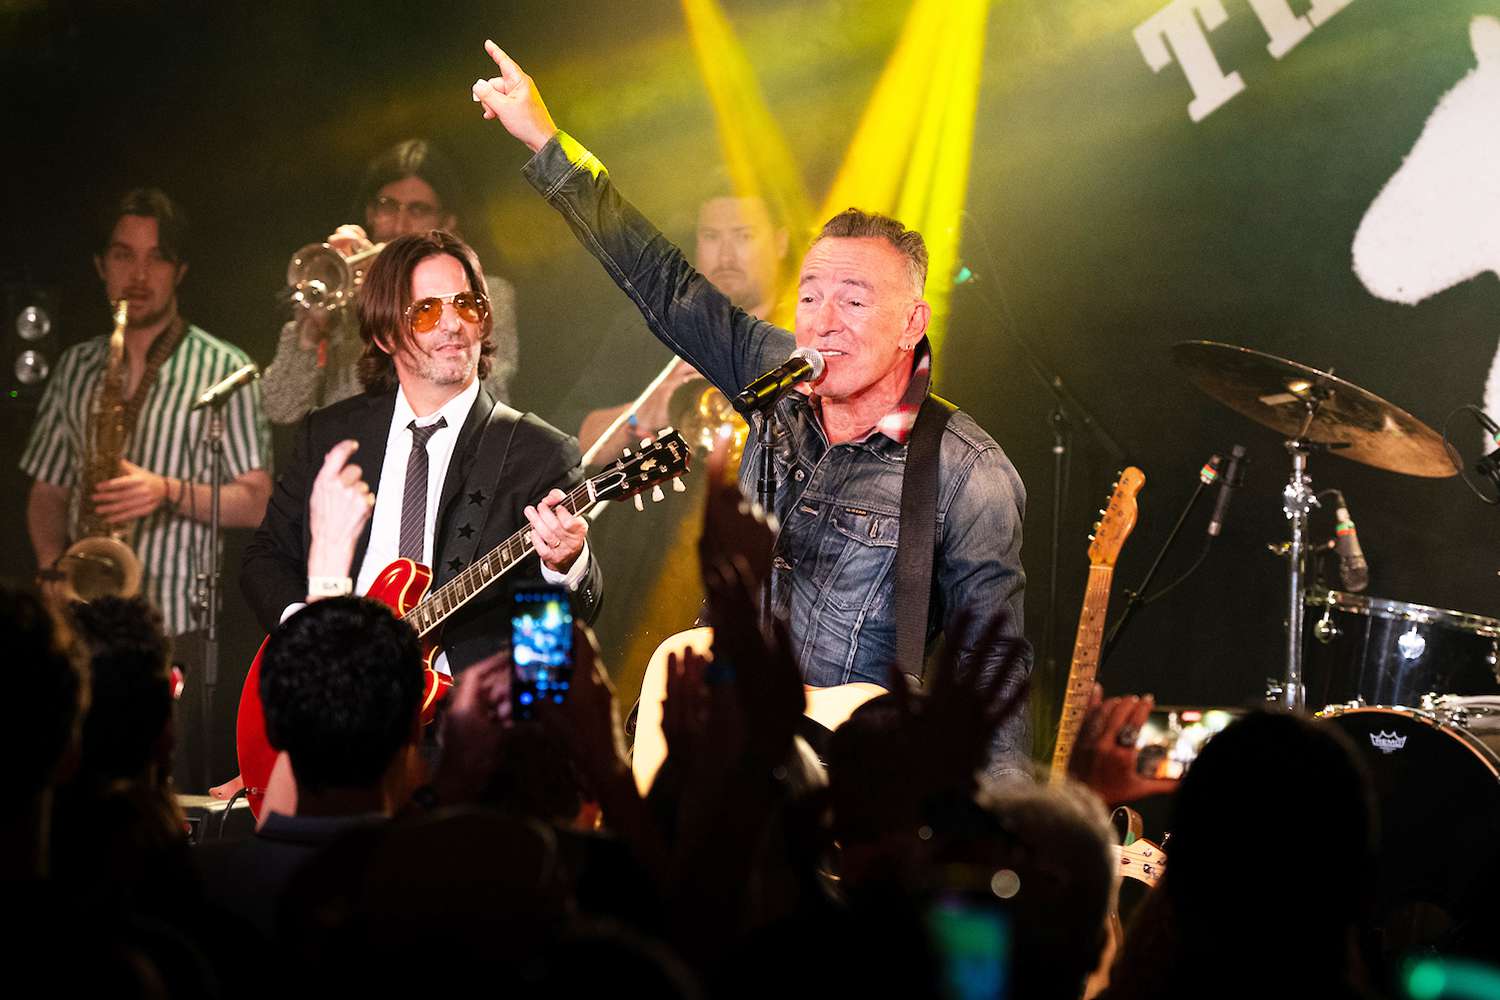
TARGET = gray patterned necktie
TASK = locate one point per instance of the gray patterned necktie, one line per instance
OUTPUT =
(414, 498)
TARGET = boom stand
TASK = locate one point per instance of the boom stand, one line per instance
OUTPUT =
(214, 432)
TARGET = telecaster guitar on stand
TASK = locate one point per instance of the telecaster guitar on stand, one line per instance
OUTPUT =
(1139, 858)
(403, 586)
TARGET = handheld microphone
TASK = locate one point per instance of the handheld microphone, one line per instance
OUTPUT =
(218, 393)
(805, 364)
(1233, 477)
(1353, 570)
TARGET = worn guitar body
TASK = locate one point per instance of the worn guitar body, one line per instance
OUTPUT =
(400, 587)
(830, 707)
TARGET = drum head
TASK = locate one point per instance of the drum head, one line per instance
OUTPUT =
(1437, 793)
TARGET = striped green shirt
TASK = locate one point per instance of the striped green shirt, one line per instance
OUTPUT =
(167, 440)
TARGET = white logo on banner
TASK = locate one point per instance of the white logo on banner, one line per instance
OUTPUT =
(1180, 30)
(1436, 223)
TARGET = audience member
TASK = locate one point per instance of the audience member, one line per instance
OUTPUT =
(1234, 900)
(341, 683)
(43, 741)
(120, 835)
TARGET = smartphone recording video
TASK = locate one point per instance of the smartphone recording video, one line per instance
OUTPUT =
(541, 648)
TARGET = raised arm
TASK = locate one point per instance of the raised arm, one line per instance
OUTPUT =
(682, 308)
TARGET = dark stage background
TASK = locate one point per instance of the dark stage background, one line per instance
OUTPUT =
(1103, 224)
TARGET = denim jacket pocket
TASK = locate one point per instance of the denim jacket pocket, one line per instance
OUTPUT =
(865, 544)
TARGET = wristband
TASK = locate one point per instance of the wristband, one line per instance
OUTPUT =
(329, 586)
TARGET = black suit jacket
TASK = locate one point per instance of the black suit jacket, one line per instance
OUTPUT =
(538, 458)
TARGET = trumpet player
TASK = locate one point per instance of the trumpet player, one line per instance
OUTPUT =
(410, 188)
(113, 450)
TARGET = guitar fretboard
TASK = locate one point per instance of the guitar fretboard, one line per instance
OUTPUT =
(438, 605)
(1085, 665)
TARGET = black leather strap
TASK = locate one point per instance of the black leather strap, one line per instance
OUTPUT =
(489, 459)
(916, 546)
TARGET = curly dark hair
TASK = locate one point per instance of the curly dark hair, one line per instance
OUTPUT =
(341, 682)
(131, 684)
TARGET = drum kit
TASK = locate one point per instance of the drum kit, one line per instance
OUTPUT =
(1416, 688)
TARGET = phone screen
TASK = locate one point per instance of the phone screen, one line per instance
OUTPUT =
(1172, 737)
(972, 937)
(541, 648)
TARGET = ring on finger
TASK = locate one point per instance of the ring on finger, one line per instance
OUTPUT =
(1128, 736)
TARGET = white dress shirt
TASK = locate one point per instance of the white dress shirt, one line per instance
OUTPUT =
(385, 521)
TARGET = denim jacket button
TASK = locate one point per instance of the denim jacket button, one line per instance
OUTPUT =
(780, 563)
(798, 475)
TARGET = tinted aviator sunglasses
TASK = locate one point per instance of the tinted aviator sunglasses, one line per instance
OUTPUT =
(424, 314)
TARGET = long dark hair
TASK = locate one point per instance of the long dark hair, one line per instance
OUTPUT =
(386, 293)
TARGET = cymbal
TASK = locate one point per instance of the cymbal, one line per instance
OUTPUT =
(1275, 392)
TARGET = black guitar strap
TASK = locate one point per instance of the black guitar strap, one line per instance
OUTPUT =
(916, 545)
(490, 452)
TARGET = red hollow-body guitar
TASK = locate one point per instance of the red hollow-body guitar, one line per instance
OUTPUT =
(403, 587)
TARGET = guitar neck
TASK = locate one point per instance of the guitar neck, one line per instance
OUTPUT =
(437, 606)
(1085, 665)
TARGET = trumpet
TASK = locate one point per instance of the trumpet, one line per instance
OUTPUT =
(320, 277)
(702, 413)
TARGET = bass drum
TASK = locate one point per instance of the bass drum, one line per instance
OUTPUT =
(1437, 789)
(1392, 653)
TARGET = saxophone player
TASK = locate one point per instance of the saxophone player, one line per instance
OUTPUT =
(150, 489)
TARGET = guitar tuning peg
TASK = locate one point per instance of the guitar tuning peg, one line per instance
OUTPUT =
(1091, 536)
(626, 452)
(1097, 524)
(639, 503)
(677, 485)
(645, 442)
(656, 493)
(1101, 511)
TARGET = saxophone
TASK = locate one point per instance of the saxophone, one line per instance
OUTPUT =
(101, 562)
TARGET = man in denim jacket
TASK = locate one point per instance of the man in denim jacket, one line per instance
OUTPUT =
(840, 449)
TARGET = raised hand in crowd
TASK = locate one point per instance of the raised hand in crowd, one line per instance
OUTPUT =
(1104, 758)
(512, 98)
(338, 509)
(964, 702)
(473, 727)
(588, 724)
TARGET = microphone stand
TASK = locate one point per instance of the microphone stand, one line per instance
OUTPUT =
(1067, 409)
(1136, 598)
(209, 582)
(765, 492)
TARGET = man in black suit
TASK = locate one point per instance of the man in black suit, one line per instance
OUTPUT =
(332, 527)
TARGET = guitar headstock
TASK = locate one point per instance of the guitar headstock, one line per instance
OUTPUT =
(657, 460)
(1117, 519)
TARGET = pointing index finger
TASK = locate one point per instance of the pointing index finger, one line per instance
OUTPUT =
(508, 68)
(338, 455)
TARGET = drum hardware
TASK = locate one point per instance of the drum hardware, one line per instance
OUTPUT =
(1411, 643)
(1437, 791)
(1317, 411)
(1394, 652)
(1325, 631)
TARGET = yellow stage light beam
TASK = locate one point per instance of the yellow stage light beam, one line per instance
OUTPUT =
(756, 152)
(937, 177)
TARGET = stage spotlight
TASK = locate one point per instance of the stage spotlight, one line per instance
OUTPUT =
(32, 340)
(32, 368)
(33, 322)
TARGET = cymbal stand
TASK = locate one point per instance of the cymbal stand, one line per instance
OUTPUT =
(1298, 500)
